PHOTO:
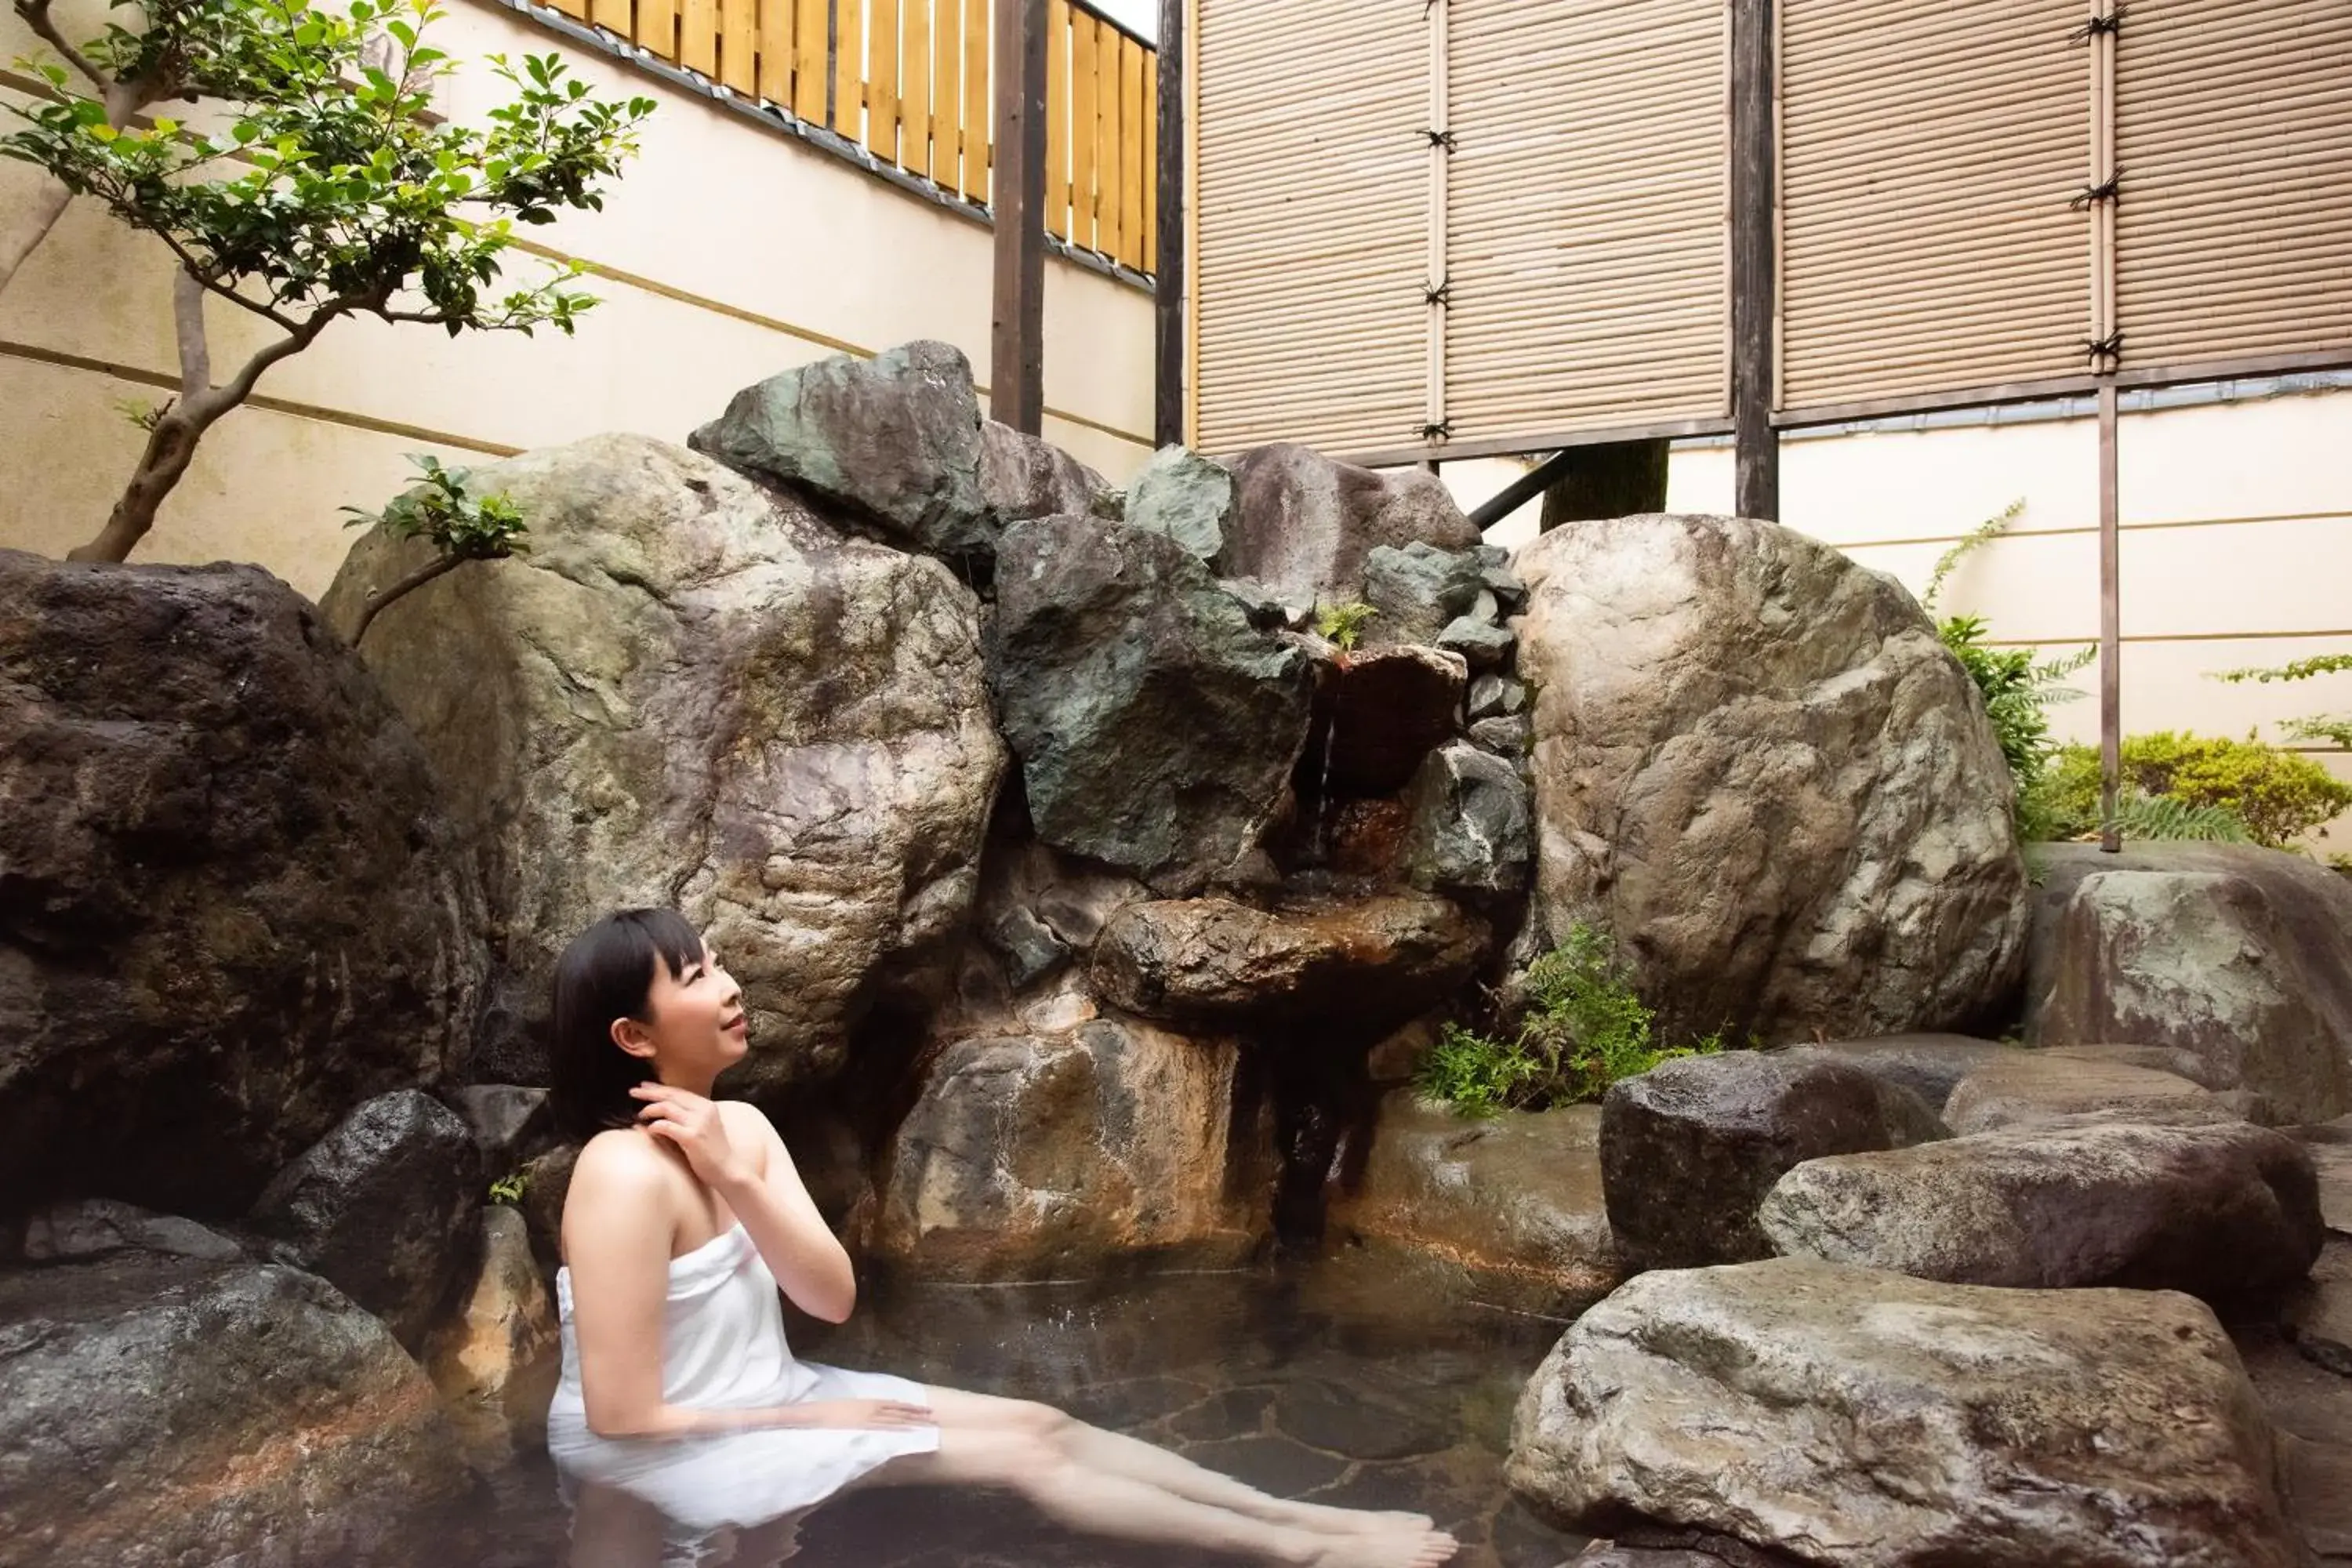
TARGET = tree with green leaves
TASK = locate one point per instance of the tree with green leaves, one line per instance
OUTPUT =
(324, 188)
(2332, 728)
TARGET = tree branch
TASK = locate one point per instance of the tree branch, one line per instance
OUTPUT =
(188, 293)
(37, 16)
(207, 406)
(48, 205)
(197, 270)
(385, 596)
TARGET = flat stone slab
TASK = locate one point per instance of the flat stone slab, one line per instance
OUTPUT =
(2035, 1088)
(2219, 1212)
(1869, 1420)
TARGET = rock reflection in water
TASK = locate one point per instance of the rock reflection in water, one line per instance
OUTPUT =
(1334, 1381)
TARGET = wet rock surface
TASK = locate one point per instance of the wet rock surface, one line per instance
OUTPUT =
(234, 906)
(2141, 1441)
(497, 1359)
(693, 692)
(2240, 956)
(1507, 1211)
(1754, 758)
(1470, 835)
(381, 1208)
(1366, 962)
(1389, 709)
(1689, 1149)
(2219, 1212)
(1156, 727)
(1929, 1066)
(161, 1410)
(2033, 1090)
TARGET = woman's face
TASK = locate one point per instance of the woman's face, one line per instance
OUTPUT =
(695, 1020)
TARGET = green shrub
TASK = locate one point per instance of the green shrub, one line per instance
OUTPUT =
(1341, 625)
(1584, 1029)
(2274, 794)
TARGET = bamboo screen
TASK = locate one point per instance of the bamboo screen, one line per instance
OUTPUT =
(2234, 219)
(1928, 155)
(909, 80)
(1312, 219)
(1585, 230)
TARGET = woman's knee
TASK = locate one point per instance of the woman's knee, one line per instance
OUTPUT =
(1042, 1422)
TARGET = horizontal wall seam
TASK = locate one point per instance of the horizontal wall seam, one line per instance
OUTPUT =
(2167, 636)
(2093, 528)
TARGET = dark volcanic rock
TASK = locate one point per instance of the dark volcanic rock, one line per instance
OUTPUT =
(1306, 523)
(1389, 708)
(2218, 1211)
(1364, 964)
(1929, 1066)
(158, 1412)
(230, 906)
(1419, 591)
(1156, 727)
(383, 1208)
(1689, 1149)
(1471, 836)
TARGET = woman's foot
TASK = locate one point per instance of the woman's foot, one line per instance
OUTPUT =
(1324, 1520)
(1388, 1549)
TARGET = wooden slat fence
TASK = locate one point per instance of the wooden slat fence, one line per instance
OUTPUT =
(910, 82)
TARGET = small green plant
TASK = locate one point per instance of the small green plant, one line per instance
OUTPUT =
(1584, 1029)
(461, 527)
(2272, 794)
(509, 1188)
(2159, 818)
(2335, 730)
(1341, 625)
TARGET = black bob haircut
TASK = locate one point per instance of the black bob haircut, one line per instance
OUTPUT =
(606, 974)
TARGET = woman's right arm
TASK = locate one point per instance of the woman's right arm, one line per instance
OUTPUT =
(616, 1242)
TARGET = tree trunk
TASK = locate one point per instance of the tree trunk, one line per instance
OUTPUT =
(25, 236)
(171, 448)
(1616, 481)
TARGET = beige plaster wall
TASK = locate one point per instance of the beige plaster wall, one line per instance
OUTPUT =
(727, 252)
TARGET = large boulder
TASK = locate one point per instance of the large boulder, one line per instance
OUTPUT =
(497, 1361)
(382, 1208)
(2218, 1211)
(894, 439)
(158, 1411)
(2031, 1088)
(1305, 522)
(1869, 1420)
(693, 692)
(1081, 1153)
(1023, 476)
(1756, 763)
(1419, 591)
(1185, 496)
(1929, 1066)
(2238, 956)
(1510, 1207)
(1321, 961)
(1690, 1148)
(1156, 726)
(231, 907)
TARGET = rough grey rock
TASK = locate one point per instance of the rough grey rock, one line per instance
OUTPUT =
(382, 1208)
(2318, 1317)
(497, 1361)
(1469, 835)
(1757, 760)
(1504, 737)
(1387, 709)
(1929, 1066)
(1689, 1149)
(1075, 1153)
(2218, 1212)
(1156, 727)
(1268, 610)
(78, 1230)
(1305, 522)
(1024, 476)
(2238, 956)
(1362, 964)
(2029, 1088)
(895, 438)
(1419, 591)
(1186, 497)
(696, 693)
(1481, 643)
(232, 906)
(510, 1124)
(1027, 946)
(1509, 1208)
(157, 1412)
(1869, 1420)
(1496, 696)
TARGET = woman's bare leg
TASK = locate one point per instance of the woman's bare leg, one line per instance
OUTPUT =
(1102, 1503)
(1109, 1453)
(612, 1529)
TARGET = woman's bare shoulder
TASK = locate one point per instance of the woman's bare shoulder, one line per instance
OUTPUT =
(621, 1162)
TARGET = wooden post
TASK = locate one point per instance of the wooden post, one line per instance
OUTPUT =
(2111, 675)
(1168, 267)
(1016, 351)
(1757, 446)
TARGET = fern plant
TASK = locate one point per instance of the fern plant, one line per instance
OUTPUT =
(2335, 730)
(1341, 625)
(2168, 818)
